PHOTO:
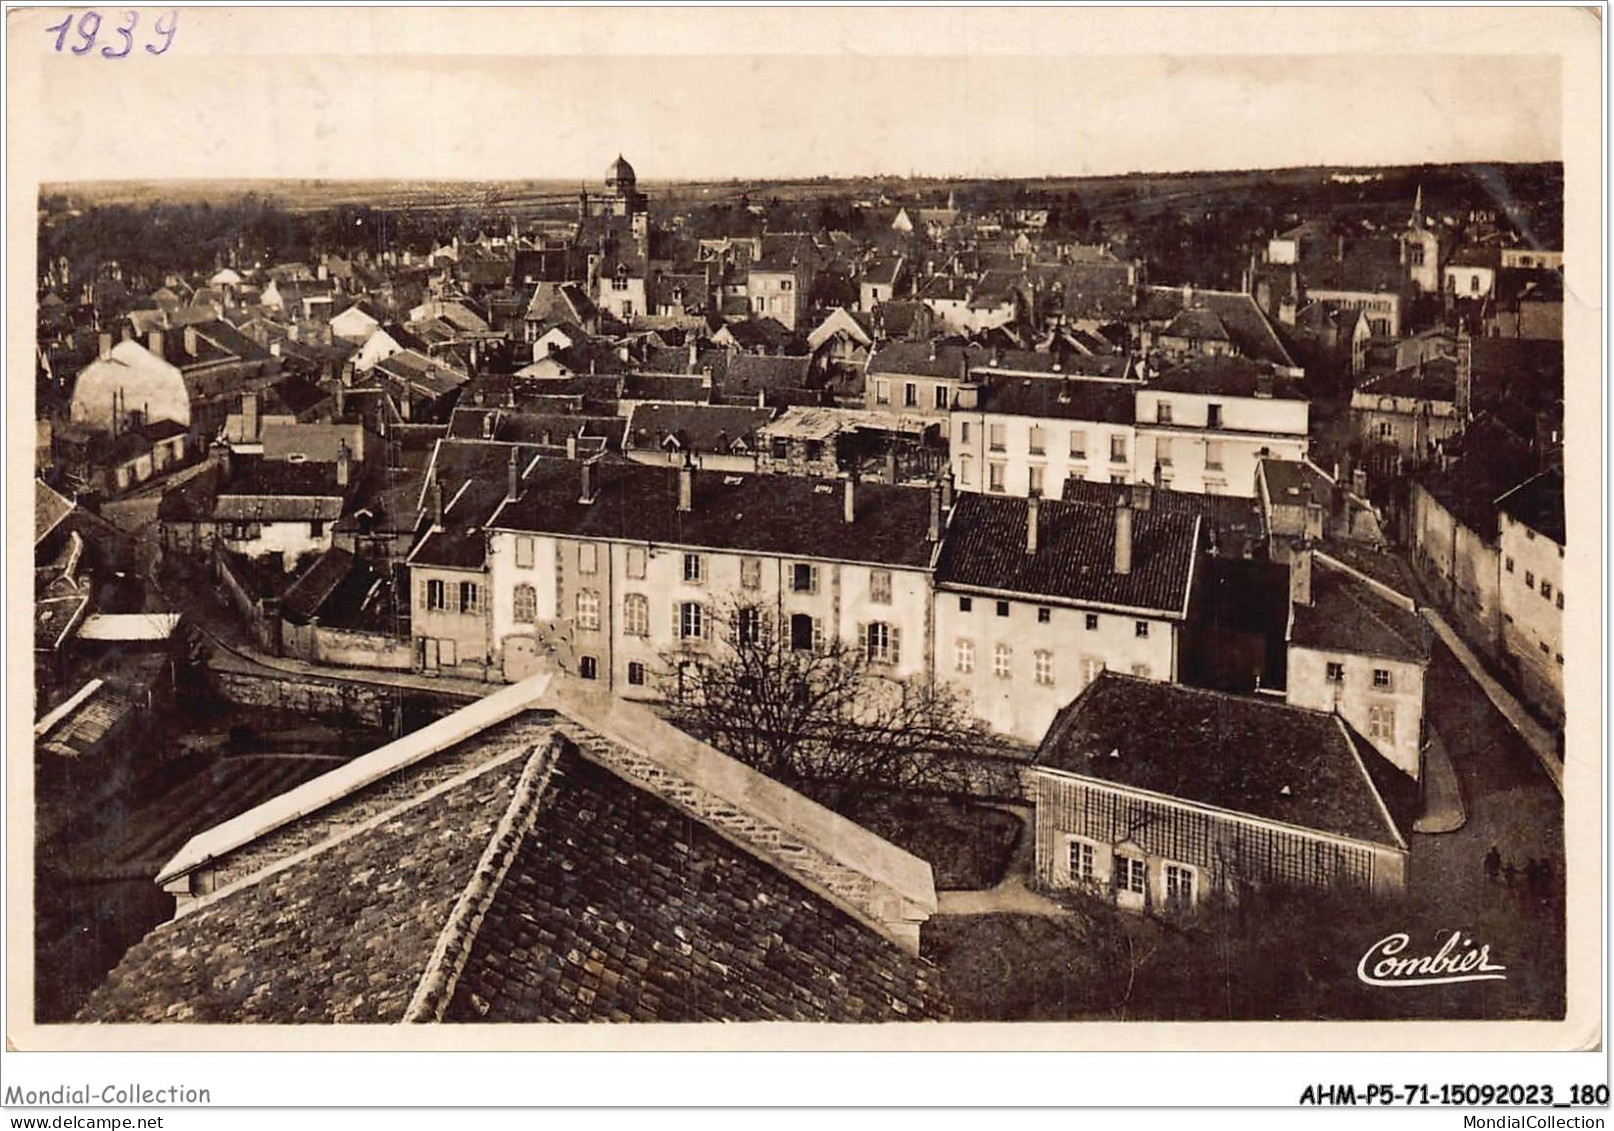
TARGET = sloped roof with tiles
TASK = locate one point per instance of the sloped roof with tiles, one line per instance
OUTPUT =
(1230, 752)
(529, 858)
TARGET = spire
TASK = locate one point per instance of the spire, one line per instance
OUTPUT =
(1417, 208)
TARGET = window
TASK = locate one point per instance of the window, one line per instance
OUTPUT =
(1213, 416)
(883, 643)
(1141, 629)
(1001, 656)
(1091, 666)
(964, 656)
(1078, 444)
(1335, 672)
(1034, 479)
(994, 477)
(1179, 887)
(1080, 861)
(804, 578)
(910, 395)
(803, 633)
(1045, 667)
(1090, 622)
(1213, 455)
(1382, 680)
(882, 392)
(815, 450)
(1118, 448)
(1508, 565)
(526, 604)
(1546, 590)
(963, 431)
(636, 563)
(691, 620)
(619, 284)
(524, 555)
(997, 437)
(1130, 875)
(636, 615)
(941, 396)
(1162, 451)
(1003, 608)
(1560, 598)
(1162, 412)
(880, 586)
(1044, 614)
(1529, 580)
(784, 284)
(694, 570)
(588, 667)
(588, 558)
(1544, 649)
(966, 471)
(588, 610)
(751, 573)
(636, 673)
(436, 595)
(748, 624)
(1034, 440)
(1143, 671)
(1381, 722)
(470, 597)
(1473, 284)
(1416, 254)
(316, 528)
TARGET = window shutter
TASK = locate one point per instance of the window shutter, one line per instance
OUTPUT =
(423, 598)
(678, 624)
(706, 624)
(864, 643)
(818, 633)
(896, 644)
(815, 579)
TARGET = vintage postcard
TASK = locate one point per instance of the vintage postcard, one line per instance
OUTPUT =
(906, 523)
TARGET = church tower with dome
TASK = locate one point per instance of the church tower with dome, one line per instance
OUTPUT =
(620, 198)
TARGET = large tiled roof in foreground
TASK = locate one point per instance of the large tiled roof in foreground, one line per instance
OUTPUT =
(1232, 752)
(523, 867)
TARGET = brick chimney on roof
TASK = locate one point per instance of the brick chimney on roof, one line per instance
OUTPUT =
(1123, 534)
(1033, 520)
(849, 500)
(512, 487)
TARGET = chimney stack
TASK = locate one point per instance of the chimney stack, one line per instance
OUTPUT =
(1300, 575)
(694, 353)
(947, 492)
(589, 486)
(1123, 534)
(341, 401)
(1033, 516)
(850, 500)
(1314, 519)
(105, 344)
(512, 485)
(191, 344)
(249, 417)
(935, 513)
(686, 486)
(344, 470)
(571, 446)
(437, 502)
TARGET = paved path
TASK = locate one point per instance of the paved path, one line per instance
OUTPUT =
(1012, 895)
(1541, 741)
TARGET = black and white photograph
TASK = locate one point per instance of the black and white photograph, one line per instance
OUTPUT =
(687, 523)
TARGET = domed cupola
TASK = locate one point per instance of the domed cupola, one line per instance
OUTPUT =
(620, 176)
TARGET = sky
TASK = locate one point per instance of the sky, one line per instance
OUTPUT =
(249, 99)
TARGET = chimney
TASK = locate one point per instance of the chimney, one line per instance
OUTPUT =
(1300, 575)
(762, 398)
(344, 469)
(891, 465)
(105, 344)
(947, 493)
(1033, 516)
(1188, 294)
(437, 502)
(191, 345)
(1142, 496)
(571, 445)
(487, 425)
(686, 487)
(850, 500)
(694, 353)
(935, 513)
(1314, 519)
(1123, 534)
(249, 417)
(512, 485)
(154, 343)
(589, 485)
(341, 401)
(933, 349)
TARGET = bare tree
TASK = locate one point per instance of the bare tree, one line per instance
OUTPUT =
(824, 714)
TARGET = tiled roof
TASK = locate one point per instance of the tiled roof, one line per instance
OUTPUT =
(619, 908)
(985, 548)
(788, 516)
(665, 387)
(1197, 323)
(1290, 482)
(1247, 327)
(50, 508)
(1233, 524)
(303, 597)
(1538, 502)
(750, 373)
(1231, 752)
(695, 427)
(1224, 377)
(1494, 461)
(925, 359)
(1434, 381)
(505, 876)
(1348, 615)
(1104, 402)
(1051, 363)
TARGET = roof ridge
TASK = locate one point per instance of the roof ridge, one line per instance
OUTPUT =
(454, 942)
(1353, 594)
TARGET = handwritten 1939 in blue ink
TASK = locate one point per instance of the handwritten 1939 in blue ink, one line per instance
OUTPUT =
(88, 29)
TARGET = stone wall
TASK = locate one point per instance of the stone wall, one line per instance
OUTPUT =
(366, 704)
